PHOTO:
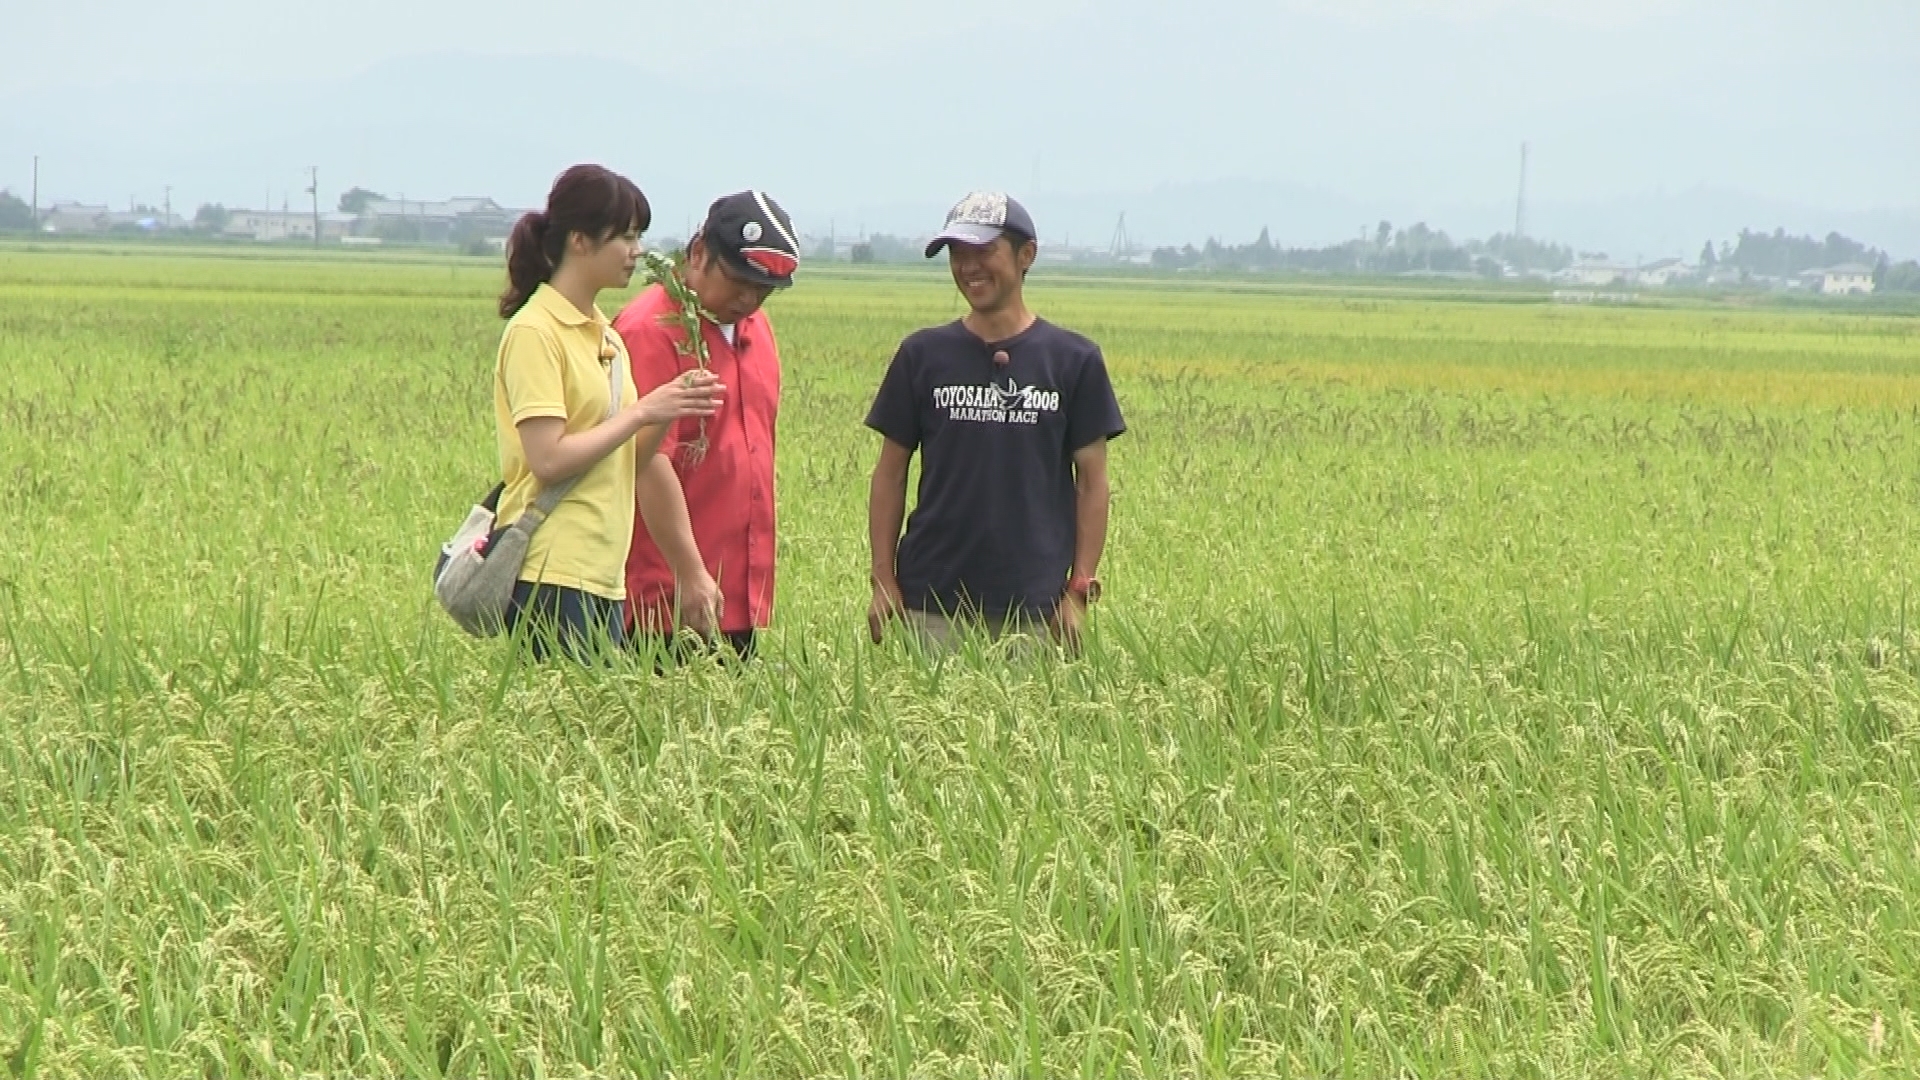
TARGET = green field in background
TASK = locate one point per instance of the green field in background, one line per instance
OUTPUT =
(1485, 687)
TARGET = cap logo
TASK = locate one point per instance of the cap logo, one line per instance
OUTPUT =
(783, 228)
(750, 231)
(980, 208)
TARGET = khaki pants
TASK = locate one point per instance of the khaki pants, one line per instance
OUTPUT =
(945, 635)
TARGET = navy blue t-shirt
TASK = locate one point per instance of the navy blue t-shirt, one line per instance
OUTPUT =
(993, 527)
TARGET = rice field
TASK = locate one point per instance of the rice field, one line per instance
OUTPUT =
(1484, 688)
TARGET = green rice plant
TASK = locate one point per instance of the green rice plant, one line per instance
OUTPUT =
(1484, 688)
(687, 315)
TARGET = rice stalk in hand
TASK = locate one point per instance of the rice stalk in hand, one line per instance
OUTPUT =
(686, 314)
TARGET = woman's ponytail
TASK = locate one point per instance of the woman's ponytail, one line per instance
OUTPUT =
(528, 264)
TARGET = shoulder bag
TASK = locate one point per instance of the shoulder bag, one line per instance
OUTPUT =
(480, 565)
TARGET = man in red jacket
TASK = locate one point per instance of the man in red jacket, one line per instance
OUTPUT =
(702, 553)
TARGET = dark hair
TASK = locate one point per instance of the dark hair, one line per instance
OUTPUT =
(1017, 240)
(586, 199)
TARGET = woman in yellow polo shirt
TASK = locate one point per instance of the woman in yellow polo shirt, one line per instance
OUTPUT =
(558, 358)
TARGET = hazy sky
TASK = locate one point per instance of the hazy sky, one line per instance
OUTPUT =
(871, 111)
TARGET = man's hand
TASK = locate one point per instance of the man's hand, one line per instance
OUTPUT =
(1068, 618)
(887, 604)
(699, 603)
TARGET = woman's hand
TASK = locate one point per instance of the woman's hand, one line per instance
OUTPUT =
(693, 394)
(553, 455)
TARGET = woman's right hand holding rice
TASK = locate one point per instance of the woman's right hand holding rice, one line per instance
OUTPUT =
(694, 394)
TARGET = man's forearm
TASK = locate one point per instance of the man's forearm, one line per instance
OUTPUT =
(1091, 503)
(646, 446)
(663, 508)
(886, 512)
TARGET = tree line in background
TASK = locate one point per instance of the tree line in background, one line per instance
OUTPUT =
(1423, 250)
(1417, 249)
(1385, 250)
(15, 214)
(1777, 254)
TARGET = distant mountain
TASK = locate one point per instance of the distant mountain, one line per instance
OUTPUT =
(886, 144)
(1644, 226)
(1173, 214)
(427, 127)
(1677, 224)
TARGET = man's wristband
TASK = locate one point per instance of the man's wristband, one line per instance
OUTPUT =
(1084, 589)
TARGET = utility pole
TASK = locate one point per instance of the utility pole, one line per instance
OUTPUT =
(36, 192)
(1520, 204)
(313, 189)
(166, 207)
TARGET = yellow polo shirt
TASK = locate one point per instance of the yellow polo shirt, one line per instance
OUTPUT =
(550, 365)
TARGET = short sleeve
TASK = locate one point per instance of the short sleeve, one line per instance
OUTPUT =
(1094, 413)
(895, 411)
(653, 358)
(530, 372)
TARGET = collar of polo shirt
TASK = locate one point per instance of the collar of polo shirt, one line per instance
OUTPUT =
(562, 309)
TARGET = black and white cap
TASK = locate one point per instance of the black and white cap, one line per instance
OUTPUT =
(754, 237)
(980, 218)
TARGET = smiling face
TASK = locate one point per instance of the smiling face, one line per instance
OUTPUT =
(726, 297)
(990, 275)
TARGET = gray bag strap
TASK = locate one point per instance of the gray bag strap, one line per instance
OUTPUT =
(544, 503)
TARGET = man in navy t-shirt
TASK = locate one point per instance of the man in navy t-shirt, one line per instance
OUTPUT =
(1011, 416)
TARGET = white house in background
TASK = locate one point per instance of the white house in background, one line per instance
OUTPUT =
(433, 209)
(78, 218)
(1594, 272)
(437, 221)
(145, 219)
(1840, 280)
(1663, 272)
(286, 225)
(73, 217)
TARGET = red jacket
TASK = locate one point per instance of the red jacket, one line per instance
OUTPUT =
(729, 491)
